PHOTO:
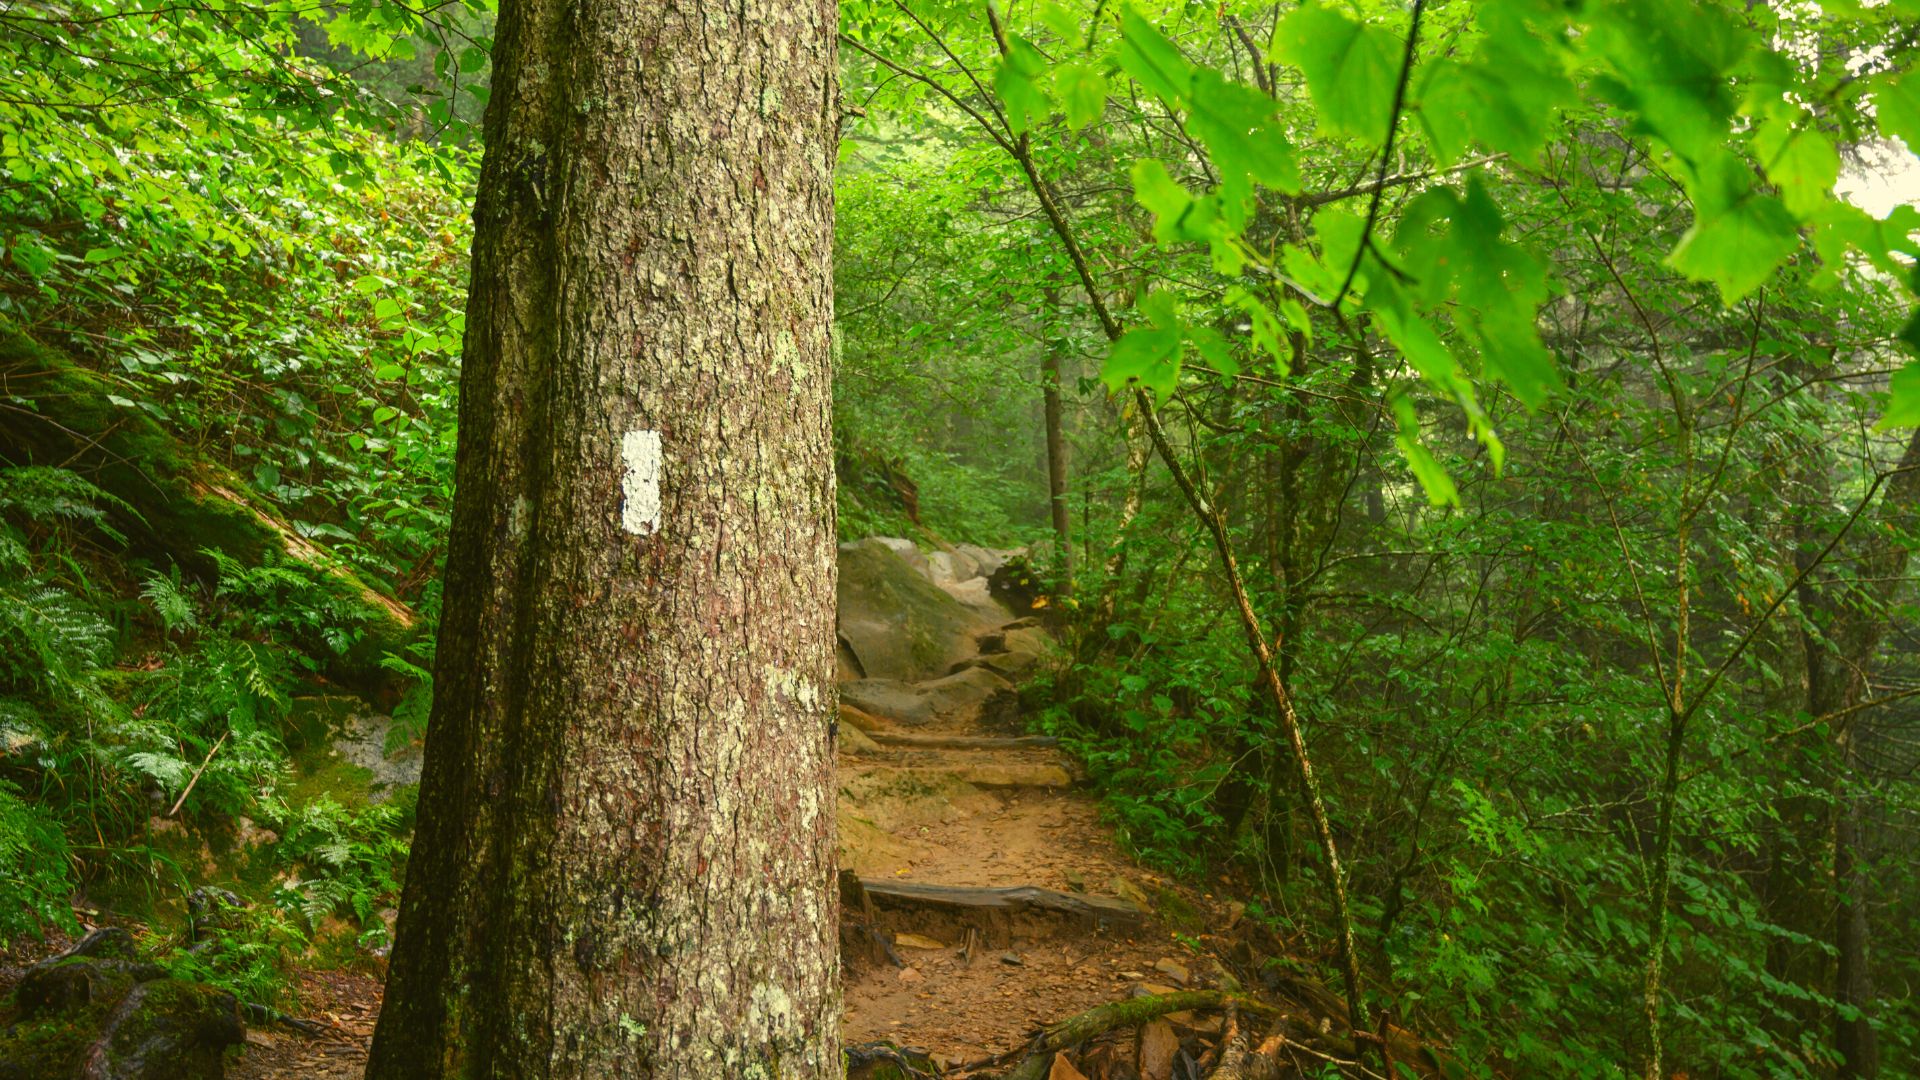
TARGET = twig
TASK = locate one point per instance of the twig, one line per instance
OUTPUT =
(181, 801)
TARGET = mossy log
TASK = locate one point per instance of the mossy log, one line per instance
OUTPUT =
(182, 504)
(1129, 1013)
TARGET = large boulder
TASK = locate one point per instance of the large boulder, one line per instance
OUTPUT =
(894, 622)
(974, 697)
(100, 1012)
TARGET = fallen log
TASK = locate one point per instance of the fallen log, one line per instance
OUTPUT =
(1129, 1013)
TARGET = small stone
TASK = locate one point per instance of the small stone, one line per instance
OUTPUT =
(1175, 970)
(1158, 1045)
(1128, 891)
(1011, 958)
(909, 975)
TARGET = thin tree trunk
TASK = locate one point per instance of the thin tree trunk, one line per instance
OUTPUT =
(1057, 491)
(623, 865)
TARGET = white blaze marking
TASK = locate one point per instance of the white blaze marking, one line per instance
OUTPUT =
(640, 488)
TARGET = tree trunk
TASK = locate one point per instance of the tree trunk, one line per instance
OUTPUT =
(1844, 623)
(1057, 490)
(623, 865)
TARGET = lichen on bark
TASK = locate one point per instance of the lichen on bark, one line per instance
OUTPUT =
(623, 861)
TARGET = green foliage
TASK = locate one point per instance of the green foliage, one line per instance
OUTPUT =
(341, 859)
(35, 878)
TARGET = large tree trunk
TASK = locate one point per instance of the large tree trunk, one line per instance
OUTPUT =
(623, 866)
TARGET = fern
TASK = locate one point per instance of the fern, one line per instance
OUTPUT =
(34, 884)
(169, 601)
(38, 493)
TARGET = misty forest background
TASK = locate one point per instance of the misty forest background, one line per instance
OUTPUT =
(1582, 531)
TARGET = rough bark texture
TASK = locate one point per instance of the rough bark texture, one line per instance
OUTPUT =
(623, 866)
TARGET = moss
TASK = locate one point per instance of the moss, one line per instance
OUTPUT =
(39, 1049)
(320, 770)
(178, 505)
(1175, 909)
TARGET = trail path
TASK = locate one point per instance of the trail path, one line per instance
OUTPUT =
(991, 899)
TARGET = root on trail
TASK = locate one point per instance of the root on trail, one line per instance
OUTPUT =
(1294, 1043)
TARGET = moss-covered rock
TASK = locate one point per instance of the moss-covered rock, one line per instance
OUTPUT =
(101, 1012)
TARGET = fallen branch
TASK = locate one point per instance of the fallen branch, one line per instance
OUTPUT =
(208, 760)
(1130, 1013)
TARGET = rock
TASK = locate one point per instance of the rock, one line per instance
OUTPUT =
(1147, 989)
(1174, 970)
(100, 1012)
(894, 622)
(1235, 912)
(1076, 881)
(975, 697)
(1158, 1045)
(909, 975)
(1063, 1069)
(249, 835)
(949, 568)
(917, 941)
(168, 1029)
(854, 741)
(1125, 889)
(98, 971)
(1012, 958)
(977, 595)
(985, 560)
(908, 551)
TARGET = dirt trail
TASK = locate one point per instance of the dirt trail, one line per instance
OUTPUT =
(964, 977)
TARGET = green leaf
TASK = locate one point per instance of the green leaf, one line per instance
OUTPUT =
(1446, 104)
(1244, 138)
(1671, 61)
(1426, 468)
(1017, 81)
(1738, 236)
(1903, 399)
(1064, 24)
(1150, 354)
(1896, 104)
(1177, 215)
(1082, 90)
(1799, 160)
(1351, 68)
(1152, 60)
(32, 256)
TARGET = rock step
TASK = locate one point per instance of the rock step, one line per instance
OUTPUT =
(878, 910)
(932, 775)
(962, 742)
(1011, 899)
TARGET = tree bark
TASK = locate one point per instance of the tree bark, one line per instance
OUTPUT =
(1057, 490)
(623, 865)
